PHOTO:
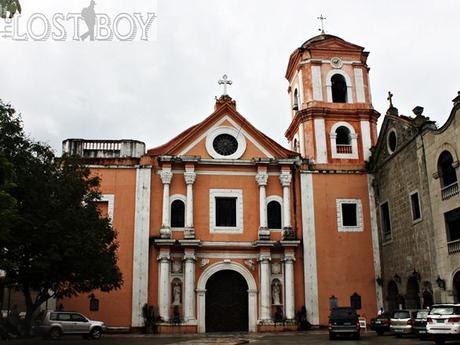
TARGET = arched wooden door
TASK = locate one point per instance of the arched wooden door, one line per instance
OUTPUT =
(392, 296)
(412, 294)
(226, 302)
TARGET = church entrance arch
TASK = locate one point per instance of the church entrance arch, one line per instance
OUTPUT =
(226, 302)
(227, 299)
(412, 294)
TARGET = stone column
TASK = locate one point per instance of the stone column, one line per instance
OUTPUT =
(190, 177)
(189, 298)
(166, 177)
(285, 179)
(262, 179)
(265, 286)
(164, 290)
(289, 286)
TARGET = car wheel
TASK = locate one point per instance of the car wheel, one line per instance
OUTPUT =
(332, 336)
(398, 335)
(380, 333)
(96, 333)
(358, 336)
(55, 333)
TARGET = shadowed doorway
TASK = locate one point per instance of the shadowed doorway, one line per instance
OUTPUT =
(226, 302)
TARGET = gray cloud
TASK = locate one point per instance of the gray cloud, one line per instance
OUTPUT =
(151, 91)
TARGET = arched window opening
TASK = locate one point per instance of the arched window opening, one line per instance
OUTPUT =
(296, 145)
(343, 140)
(339, 89)
(446, 171)
(295, 105)
(274, 215)
(177, 214)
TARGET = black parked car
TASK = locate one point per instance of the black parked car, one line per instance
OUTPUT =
(344, 321)
(381, 323)
(420, 324)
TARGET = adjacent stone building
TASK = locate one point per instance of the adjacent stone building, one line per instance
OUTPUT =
(415, 169)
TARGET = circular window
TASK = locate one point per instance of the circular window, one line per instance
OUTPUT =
(392, 141)
(225, 144)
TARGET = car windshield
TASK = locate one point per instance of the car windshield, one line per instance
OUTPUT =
(422, 314)
(442, 310)
(343, 313)
(401, 315)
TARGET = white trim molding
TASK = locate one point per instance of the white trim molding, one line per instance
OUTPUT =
(375, 241)
(347, 80)
(316, 83)
(110, 200)
(226, 193)
(320, 139)
(309, 248)
(237, 128)
(230, 131)
(252, 292)
(359, 82)
(359, 216)
(173, 198)
(366, 139)
(141, 245)
(354, 141)
(278, 199)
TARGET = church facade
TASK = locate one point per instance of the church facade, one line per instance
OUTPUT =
(223, 229)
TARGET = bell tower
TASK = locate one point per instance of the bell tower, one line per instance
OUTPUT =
(334, 125)
(333, 120)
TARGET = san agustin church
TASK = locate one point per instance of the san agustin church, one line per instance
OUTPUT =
(223, 229)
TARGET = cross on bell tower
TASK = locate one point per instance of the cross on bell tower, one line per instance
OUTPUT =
(225, 82)
(322, 19)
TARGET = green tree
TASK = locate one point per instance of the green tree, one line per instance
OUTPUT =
(8, 8)
(59, 245)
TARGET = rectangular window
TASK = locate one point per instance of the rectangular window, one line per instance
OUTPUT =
(386, 222)
(349, 215)
(452, 219)
(415, 206)
(226, 212)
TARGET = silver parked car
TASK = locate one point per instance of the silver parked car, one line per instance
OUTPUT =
(54, 324)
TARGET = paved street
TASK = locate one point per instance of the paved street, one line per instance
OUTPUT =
(310, 338)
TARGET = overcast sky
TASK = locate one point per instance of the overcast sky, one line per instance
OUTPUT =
(151, 91)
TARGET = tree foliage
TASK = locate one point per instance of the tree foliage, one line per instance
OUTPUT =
(8, 8)
(59, 244)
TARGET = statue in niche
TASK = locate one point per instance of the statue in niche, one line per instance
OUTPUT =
(177, 290)
(276, 292)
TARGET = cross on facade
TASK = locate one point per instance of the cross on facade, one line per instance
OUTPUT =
(322, 23)
(225, 82)
(390, 98)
